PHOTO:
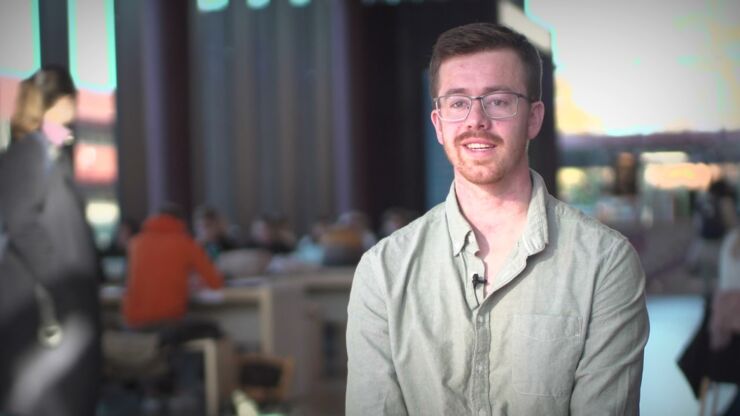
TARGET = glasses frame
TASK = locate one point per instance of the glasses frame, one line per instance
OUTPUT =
(480, 98)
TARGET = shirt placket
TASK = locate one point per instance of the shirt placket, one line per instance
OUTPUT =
(480, 390)
(481, 362)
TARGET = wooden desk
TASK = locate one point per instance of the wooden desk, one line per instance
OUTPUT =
(277, 315)
(329, 288)
(249, 315)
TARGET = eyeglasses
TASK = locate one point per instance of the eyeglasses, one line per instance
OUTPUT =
(496, 105)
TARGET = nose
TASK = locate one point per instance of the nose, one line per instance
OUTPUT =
(477, 119)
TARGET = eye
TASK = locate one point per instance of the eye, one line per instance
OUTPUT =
(457, 102)
(499, 100)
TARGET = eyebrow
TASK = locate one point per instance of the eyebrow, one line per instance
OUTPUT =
(487, 90)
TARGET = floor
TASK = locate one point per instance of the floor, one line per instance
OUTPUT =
(673, 320)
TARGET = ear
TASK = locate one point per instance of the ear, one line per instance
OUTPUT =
(437, 126)
(536, 116)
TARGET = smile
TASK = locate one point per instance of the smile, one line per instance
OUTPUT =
(479, 146)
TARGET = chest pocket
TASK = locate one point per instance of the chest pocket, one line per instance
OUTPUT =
(545, 351)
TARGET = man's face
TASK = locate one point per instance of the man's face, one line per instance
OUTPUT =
(482, 150)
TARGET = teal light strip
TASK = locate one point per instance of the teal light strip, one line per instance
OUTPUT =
(553, 35)
(36, 33)
(110, 31)
(72, 40)
(212, 5)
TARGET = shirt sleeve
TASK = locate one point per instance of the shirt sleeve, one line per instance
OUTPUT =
(205, 268)
(372, 385)
(609, 373)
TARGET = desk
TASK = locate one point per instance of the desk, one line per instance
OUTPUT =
(282, 314)
(327, 287)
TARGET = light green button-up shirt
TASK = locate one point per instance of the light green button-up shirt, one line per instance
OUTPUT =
(562, 332)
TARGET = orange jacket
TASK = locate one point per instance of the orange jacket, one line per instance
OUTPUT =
(161, 259)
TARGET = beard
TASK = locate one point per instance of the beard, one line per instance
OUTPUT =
(483, 171)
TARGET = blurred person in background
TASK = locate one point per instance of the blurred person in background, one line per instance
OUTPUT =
(118, 246)
(359, 221)
(165, 264)
(271, 233)
(342, 245)
(161, 259)
(394, 219)
(211, 231)
(309, 248)
(345, 241)
(49, 270)
(725, 320)
(729, 261)
(502, 299)
(715, 214)
(712, 354)
(114, 256)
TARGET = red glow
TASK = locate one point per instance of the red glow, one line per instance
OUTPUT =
(8, 91)
(96, 107)
(95, 163)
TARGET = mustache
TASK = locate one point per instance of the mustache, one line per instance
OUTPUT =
(480, 134)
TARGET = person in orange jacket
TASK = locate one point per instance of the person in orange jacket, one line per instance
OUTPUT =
(161, 259)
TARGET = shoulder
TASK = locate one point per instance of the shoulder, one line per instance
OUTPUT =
(406, 246)
(412, 235)
(570, 225)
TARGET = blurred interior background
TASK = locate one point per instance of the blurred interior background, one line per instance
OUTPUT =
(308, 109)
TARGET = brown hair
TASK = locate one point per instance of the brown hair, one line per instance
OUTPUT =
(37, 94)
(479, 37)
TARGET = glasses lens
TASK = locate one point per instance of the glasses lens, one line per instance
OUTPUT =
(500, 105)
(496, 105)
(454, 107)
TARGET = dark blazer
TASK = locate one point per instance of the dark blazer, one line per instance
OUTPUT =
(45, 222)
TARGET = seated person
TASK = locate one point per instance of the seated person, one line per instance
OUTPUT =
(161, 259)
(395, 218)
(360, 222)
(126, 229)
(113, 256)
(272, 234)
(210, 231)
(343, 245)
(309, 248)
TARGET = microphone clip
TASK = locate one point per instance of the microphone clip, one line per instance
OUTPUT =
(478, 280)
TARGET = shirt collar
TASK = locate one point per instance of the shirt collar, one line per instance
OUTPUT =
(534, 238)
(457, 225)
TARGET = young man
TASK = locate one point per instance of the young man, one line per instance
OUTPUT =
(501, 300)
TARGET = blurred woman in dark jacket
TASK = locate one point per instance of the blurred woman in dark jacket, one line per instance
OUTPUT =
(50, 358)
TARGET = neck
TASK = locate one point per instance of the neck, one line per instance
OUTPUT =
(491, 207)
